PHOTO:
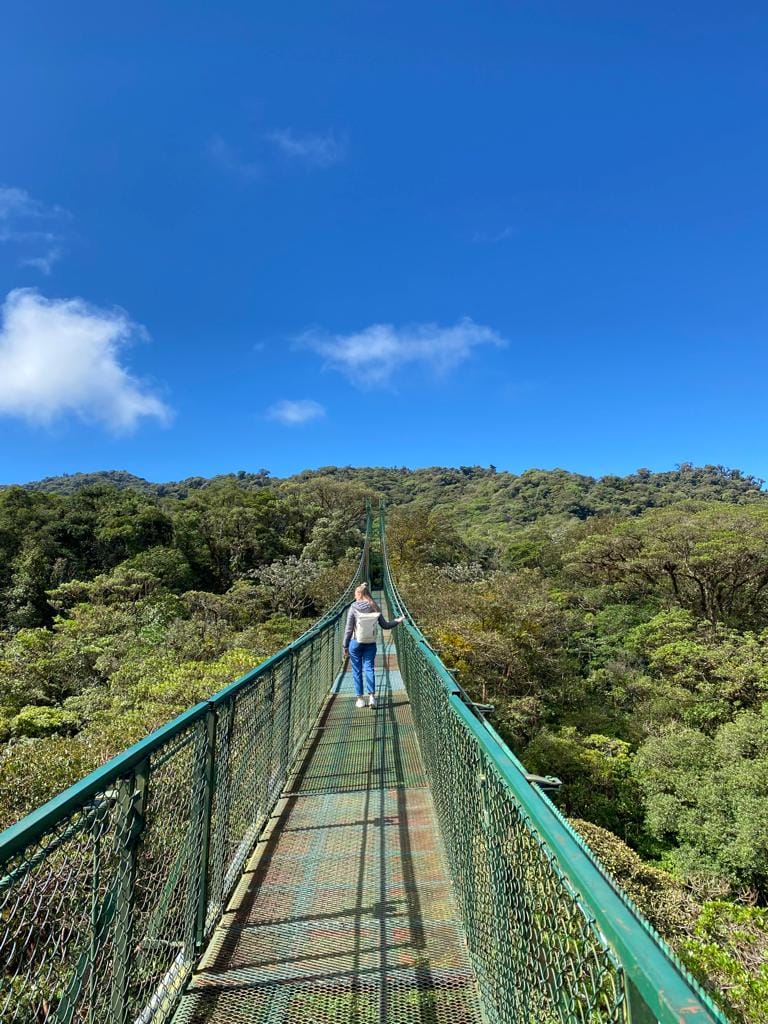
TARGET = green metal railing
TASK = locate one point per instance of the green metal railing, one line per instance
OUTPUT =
(551, 936)
(109, 892)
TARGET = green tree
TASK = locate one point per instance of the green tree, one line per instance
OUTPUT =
(225, 531)
(709, 796)
(701, 674)
(728, 952)
(420, 535)
(596, 772)
(663, 899)
(287, 585)
(711, 560)
(36, 721)
(332, 539)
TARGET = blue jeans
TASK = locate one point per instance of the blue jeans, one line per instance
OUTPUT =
(362, 656)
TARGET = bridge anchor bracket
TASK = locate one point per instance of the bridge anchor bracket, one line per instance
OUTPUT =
(549, 783)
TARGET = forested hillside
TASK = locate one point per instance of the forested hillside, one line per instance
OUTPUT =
(618, 626)
(120, 608)
(473, 495)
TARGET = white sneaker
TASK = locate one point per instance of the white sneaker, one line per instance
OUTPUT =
(371, 701)
(359, 703)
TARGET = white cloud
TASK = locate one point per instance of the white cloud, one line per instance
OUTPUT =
(60, 356)
(311, 149)
(15, 202)
(294, 413)
(32, 226)
(229, 159)
(46, 262)
(492, 237)
(372, 356)
(317, 150)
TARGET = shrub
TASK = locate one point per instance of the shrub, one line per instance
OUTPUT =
(34, 722)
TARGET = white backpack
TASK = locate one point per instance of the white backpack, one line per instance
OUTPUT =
(365, 627)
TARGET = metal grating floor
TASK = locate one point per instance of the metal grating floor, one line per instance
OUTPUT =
(345, 912)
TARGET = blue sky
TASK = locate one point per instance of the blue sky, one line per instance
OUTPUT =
(236, 236)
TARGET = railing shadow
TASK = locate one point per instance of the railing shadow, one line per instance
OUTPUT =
(365, 954)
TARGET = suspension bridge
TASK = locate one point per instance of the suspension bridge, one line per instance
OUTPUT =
(276, 854)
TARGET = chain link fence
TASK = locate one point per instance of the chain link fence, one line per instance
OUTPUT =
(552, 939)
(110, 891)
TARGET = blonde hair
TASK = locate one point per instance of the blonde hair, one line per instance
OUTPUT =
(362, 593)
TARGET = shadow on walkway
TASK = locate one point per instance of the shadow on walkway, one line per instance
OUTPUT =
(345, 912)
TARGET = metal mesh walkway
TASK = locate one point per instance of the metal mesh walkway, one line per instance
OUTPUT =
(345, 912)
(110, 891)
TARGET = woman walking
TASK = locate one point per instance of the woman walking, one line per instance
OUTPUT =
(360, 642)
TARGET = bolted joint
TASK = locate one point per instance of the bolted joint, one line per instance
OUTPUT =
(548, 783)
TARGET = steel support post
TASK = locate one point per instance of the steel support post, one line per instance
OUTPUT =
(638, 1011)
(205, 786)
(130, 809)
(217, 857)
(292, 676)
